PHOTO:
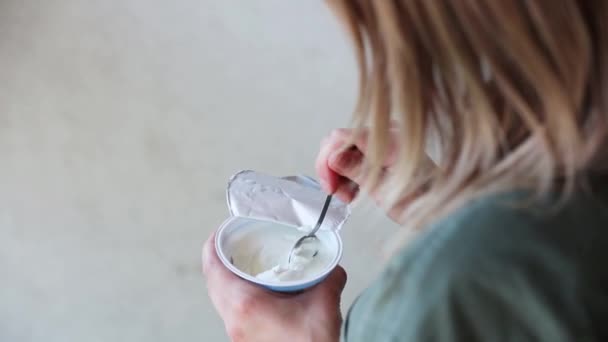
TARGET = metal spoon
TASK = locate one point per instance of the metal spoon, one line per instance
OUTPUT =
(312, 233)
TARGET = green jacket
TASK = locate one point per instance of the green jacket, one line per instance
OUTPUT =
(495, 271)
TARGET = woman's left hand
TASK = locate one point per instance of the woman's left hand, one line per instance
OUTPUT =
(252, 314)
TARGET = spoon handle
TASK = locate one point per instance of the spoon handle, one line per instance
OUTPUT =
(321, 217)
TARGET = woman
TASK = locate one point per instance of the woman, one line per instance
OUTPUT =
(512, 97)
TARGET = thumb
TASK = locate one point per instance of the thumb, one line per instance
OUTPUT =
(347, 163)
(325, 298)
(333, 285)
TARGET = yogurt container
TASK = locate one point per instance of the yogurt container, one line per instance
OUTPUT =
(267, 216)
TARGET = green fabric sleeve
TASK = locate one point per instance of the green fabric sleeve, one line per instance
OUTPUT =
(492, 273)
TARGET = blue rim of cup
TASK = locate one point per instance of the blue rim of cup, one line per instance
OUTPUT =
(286, 284)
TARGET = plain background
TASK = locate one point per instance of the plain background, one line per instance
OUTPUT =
(120, 123)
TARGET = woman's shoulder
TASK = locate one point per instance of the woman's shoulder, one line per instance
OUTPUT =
(507, 229)
(491, 259)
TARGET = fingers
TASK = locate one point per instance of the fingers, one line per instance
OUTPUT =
(329, 291)
(337, 279)
(348, 164)
(212, 271)
(210, 261)
(329, 179)
(332, 180)
(215, 272)
(347, 190)
(334, 283)
(336, 165)
(221, 283)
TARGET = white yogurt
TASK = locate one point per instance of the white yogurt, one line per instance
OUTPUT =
(262, 250)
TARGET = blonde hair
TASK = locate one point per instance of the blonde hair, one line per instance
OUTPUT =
(511, 93)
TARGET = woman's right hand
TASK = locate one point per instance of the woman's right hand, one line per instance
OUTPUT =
(340, 169)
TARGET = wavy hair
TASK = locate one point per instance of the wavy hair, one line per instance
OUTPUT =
(512, 94)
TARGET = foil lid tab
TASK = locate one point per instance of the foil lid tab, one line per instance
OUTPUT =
(294, 200)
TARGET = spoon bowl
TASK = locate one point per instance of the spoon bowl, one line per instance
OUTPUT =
(311, 235)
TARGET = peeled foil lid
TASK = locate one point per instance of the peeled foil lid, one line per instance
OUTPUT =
(294, 200)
